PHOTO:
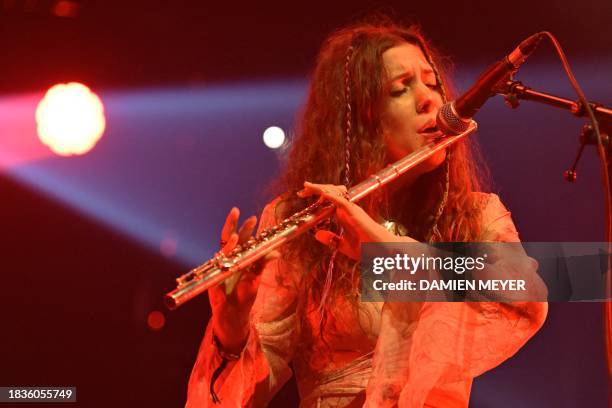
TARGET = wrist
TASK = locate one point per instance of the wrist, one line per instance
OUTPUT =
(378, 233)
(231, 340)
(226, 353)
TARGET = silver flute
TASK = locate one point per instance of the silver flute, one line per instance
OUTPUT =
(221, 266)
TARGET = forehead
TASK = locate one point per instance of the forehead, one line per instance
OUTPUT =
(404, 58)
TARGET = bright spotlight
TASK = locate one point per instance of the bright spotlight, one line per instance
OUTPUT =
(274, 137)
(70, 119)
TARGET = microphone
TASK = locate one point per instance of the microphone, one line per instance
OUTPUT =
(454, 117)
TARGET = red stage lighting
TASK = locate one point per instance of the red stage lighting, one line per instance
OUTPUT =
(156, 320)
(66, 8)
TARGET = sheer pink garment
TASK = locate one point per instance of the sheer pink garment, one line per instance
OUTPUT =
(381, 356)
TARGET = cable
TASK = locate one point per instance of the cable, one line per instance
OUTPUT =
(585, 104)
(606, 180)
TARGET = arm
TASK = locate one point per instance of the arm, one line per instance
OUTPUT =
(263, 365)
(428, 353)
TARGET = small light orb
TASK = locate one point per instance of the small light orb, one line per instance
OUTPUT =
(70, 119)
(156, 320)
(274, 137)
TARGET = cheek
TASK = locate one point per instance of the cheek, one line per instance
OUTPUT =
(399, 115)
(398, 129)
(438, 101)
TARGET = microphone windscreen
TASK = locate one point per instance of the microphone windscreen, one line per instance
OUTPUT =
(449, 122)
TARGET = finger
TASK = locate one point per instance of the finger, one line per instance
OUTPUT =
(231, 244)
(331, 192)
(216, 295)
(246, 230)
(247, 280)
(244, 284)
(335, 241)
(309, 187)
(335, 194)
(230, 283)
(246, 289)
(325, 188)
(327, 238)
(307, 192)
(236, 283)
(230, 224)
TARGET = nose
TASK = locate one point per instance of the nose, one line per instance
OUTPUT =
(424, 99)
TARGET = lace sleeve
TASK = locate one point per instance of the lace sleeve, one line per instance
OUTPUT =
(263, 366)
(428, 354)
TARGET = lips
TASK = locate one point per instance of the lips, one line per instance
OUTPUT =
(429, 128)
(434, 136)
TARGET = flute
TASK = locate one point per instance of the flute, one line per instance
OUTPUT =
(221, 267)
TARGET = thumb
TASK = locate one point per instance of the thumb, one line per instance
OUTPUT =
(334, 241)
(328, 238)
(271, 256)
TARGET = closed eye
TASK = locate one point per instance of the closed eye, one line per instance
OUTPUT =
(398, 92)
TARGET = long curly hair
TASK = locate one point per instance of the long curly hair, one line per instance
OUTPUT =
(353, 56)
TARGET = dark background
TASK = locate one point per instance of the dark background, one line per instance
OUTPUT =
(134, 43)
(77, 288)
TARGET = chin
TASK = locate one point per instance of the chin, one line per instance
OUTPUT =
(433, 162)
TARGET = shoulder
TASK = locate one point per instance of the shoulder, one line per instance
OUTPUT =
(496, 219)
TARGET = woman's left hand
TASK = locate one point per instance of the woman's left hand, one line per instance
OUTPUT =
(358, 225)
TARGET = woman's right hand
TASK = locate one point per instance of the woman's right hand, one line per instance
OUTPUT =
(231, 301)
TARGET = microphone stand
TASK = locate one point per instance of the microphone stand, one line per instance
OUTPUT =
(513, 91)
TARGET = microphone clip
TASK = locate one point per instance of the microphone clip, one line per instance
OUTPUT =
(587, 137)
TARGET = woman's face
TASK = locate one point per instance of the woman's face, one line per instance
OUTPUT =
(410, 104)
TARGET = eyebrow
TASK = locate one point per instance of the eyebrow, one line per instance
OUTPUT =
(426, 71)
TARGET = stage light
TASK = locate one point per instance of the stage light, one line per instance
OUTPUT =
(156, 320)
(70, 119)
(66, 8)
(274, 137)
